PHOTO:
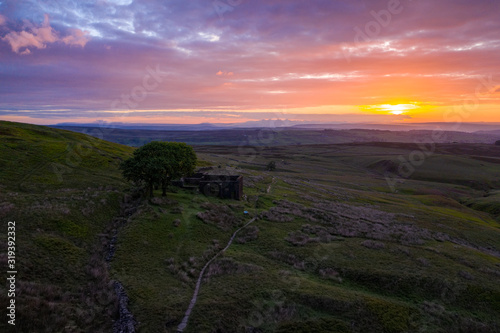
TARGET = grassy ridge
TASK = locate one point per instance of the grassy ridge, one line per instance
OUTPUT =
(62, 189)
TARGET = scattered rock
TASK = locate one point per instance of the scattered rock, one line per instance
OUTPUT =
(126, 322)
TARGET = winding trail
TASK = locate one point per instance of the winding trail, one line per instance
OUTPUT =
(270, 185)
(184, 322)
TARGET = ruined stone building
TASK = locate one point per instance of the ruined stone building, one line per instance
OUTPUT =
(225, 187)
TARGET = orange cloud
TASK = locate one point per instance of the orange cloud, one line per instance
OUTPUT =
(39, 37)
(221, 73)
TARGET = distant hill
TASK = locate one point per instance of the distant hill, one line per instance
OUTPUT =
(151, 127)
(442, 126)
(285, 123)
(283, 136)
(495, 132)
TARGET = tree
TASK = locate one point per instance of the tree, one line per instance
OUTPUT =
(157, 163)
(497, 143)
(271, 166)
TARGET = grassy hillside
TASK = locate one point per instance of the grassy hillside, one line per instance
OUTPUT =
(62, 189)
(333, 249)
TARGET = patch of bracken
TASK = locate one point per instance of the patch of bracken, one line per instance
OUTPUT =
(329, 220)
(229, 266)
(248, 234)
(220, 216)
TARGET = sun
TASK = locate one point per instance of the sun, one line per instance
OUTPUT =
(397, 109)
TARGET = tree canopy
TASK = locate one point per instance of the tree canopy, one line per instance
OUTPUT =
(271, 166)
(157, 163)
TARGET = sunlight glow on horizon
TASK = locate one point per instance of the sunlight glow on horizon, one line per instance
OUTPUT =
(398, 108)
(394, 109)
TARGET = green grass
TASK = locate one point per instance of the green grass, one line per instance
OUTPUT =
(63, 190)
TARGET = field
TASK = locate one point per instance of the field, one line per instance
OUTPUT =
(334, 249)
(347, 238)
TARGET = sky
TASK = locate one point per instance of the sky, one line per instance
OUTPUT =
(227, 61)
